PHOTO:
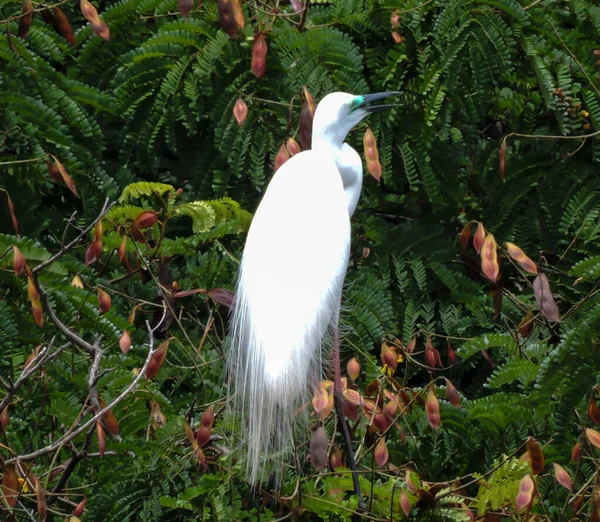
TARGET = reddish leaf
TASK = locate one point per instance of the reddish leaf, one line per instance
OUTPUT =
(594, 411)
(282, 156)
(593, 436)
(125, 341)
(432, 408)
(452, 394)
(13, 216)
(318, 449)
(42, 505)
(381, 453)
(222, 296)
(536, 457)
(63, 27)
(145, 219)
(479, 238)
(292, 146)
(465, 235)
(335, 459)
(526, 325)
(259, 55)
(353, 369)
(157, 360)
(502, 158)
(185, 7)
(489, 258)
(108, 418)
(372, 155)
(545, 299)
(65, 176)
(104, 301)
(101, 438)
(240, 111)
(526, 490)
(562, 477)
(26, 18)
(10, 485)
(18, 261)
(404, 503)
(520, 257)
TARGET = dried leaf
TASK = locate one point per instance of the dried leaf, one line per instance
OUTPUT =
(282, 156)
(157, 360)
(222, 296)
(545, 299)
(432, 408)
(65, 176)
(594, 411)
(240, 111)
(145, 219)
(158, 418)
(465, 235)
(63, 27)
(536, 457)
(104, 301)
(489, 258)
(125, 341)
(26, 18)
(189, 432)
(593, 436)
(562, 477)
(322, 401)
(452, 394)
(318, 449)
(404, 503)
(110, 421)
(381, 453)
(372, 155)
(353, 369)
(101, 438)
(479, 237)
(42, 506)
(185, 7)
(526, 490)
(520, 257)
(18, 261)
(259, 55)
(502, 158)
(526, 325)
(13, 216)
(10, 485)
(9, 38)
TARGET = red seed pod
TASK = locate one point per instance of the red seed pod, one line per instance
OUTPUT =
(489, 258)
(101, 437)
(122, 249)
(157, 360)
(562, 477)
(203, 435)
(104, 301)
(282, 156)
(404, 503)
(227, 17)
(372, 155)
(62, 25)
(18, 261)
(335, 459)
(520, 257)
(432, 408)
(4, 420)
(545, 299)
(526, 490)
(381, 453)
(397, 37)
(535, 456)
(318, 449)
(108, 418)
(410, 347)
(307, 114)
(451, 354)
(479, 238)
(125, 341)
(26, 18)
(10, 485)
(240, 111)
(452, 394)
(259, 55)
(185, 7)
(80, 508)
(208, 417)
(353, 369)
(292, 146)
(465, 235)
(502, 158)
(145, 219)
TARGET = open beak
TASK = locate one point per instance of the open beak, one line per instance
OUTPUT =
(370, 98)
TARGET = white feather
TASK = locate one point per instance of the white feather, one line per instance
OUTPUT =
(287, 295)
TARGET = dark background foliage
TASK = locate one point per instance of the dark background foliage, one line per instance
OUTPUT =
(153, 105)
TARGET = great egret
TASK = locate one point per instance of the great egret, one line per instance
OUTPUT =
(290, 281)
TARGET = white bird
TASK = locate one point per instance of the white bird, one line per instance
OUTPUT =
(290, 281)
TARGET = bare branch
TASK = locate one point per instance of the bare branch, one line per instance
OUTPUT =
(105, 208)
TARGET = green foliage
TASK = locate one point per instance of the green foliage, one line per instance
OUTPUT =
(146, 120)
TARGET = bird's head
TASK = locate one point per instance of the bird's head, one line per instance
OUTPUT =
(339, 112)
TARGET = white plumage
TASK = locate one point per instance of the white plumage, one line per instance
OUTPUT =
(290, 282)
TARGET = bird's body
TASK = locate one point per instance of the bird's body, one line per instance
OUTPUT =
(290, 282)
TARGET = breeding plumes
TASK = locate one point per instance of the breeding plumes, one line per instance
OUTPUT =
(290, 281)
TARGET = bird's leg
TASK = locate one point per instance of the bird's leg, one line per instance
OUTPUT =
(338, 399)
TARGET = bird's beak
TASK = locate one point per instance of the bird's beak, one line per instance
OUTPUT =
(370, 98)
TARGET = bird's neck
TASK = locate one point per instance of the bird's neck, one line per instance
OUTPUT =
(348, 163)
